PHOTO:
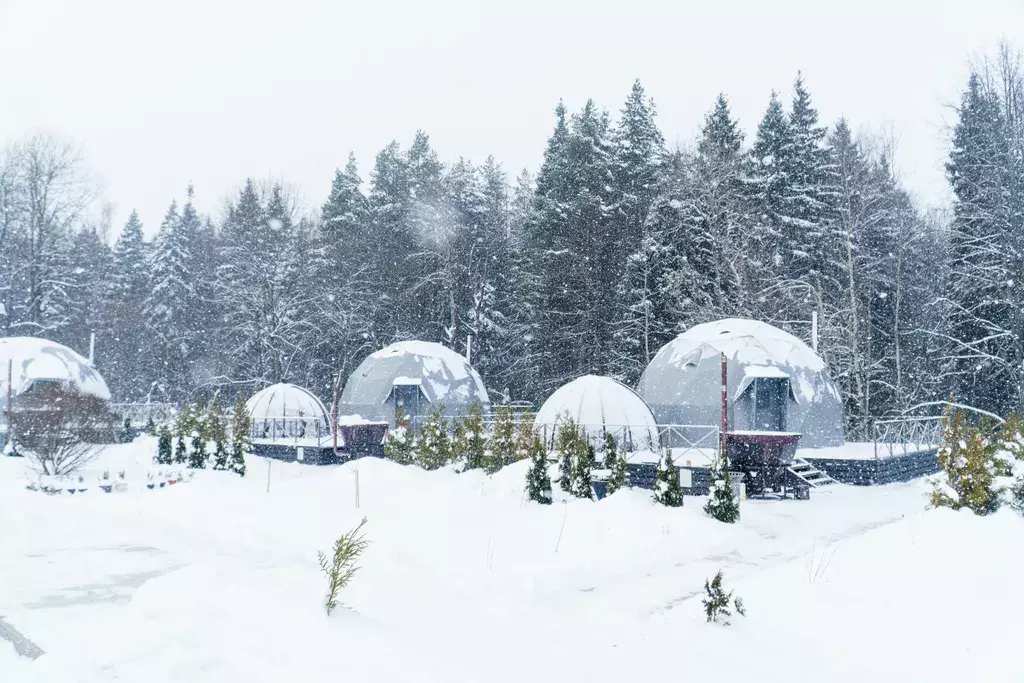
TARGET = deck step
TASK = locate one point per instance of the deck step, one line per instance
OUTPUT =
(809, 474)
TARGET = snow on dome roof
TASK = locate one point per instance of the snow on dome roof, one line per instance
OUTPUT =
(286, 402)
(38, 359)
(750, 342)
(683, 382)
(439, 373)
(598, 403)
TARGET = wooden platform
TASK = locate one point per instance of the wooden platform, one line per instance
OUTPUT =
(871, 472)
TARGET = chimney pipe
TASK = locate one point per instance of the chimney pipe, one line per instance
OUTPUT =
(92, 349)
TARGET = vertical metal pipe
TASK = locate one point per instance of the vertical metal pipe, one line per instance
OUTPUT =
(725, 405)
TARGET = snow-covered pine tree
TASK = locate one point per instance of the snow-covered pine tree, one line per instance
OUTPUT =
(968, 472)
(399, 447)
(471, 438)
(183, 427)
(241, 437)
(538, 482)
(615, 463)
(503, 440)
(582, 480)
(197, 455)
(164, 448)
(524, 437)
(667, 489)
(567, 441)
(433, 443)
(722, 503)
(216, 432)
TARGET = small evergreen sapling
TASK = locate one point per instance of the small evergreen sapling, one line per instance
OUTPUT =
(615, 462)
(566, 444)
(241, 438)
(582, 482)
(343, 563)
(164, 449)
(217, 433)
(126, 431)
(667, 489)
(538, 483)
(722, 503)
(470, 437)
(151, 427)
(967, 457)
(400, 442)
(433, 443)
(182, 430)
(503, 439)
(197, 453)
(524, 439)
(717, 601)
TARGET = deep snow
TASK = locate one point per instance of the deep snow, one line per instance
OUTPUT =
(216, 580)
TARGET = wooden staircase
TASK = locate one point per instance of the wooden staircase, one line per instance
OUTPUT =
(809, 474)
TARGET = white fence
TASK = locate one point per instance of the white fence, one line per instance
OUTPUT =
(905, 435)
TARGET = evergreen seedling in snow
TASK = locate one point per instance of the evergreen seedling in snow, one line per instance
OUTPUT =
(400, 442)
(164, 448)
(433, 444)
(151, 427)
(524, 439)
(503, 439)
(538, 483)
(197, 453)
(667, 489)
(567, 446)
(182, 430)
(582, 482)
(241, 443)
(126, 431)
(217, 433)
(967, 457)
(470, 438)
(615, 462)
(717, 601)
(343, 563)
(722, 503)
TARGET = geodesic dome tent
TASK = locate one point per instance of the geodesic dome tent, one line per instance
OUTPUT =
(39, 363)
(599, 405)
(287, 411)
(415, 376)
(776, 383)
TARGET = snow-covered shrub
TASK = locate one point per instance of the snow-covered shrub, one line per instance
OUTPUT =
(971, 459)
(182, 431)
(717, 601)
(398, 447)
(216, 432)
(582, 482)
(538, 483)
(524, 439)
(615, 463)
(575, 459)
(433, 443)
(343, 564)
(126, 431)
(722, 503)
(667, 489)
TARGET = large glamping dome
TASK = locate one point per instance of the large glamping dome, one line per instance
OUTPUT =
(599, 405)
(775, 382)
(38, 362)
(285, 410)
(415, 375)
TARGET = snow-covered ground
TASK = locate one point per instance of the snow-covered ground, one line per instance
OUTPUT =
(216, 580)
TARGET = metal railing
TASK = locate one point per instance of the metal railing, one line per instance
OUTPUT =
(139, 414)
(905, 435)
(291, 429)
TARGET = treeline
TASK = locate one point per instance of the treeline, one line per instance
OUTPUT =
(617, 244)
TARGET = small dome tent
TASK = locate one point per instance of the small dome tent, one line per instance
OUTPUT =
(775, 382)
(599, 405)
(285, 410)
(414, 375)
(39, 362)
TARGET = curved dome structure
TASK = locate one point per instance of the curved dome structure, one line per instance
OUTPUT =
(38, 362)
(599, 405)
(286, 410)
(415, 376)
(775, 382)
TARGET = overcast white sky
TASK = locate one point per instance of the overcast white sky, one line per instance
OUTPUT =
(161, 93)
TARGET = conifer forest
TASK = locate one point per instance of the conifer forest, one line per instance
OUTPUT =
(585, 265)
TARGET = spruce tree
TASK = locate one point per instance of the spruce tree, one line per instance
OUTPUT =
(197, 453)
(471, 438)
(241, 443)
(433, 443)
(164, 455)
(667, 489)
(217, 434)
(538, 482)
(722, 503)
(615, 463)
(503, 439)
(182, 433)
(399, 447)
(582, 481)
(524, 437)
(966, 457)
(566, 445)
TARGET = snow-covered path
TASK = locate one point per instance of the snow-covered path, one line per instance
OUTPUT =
(216, 580)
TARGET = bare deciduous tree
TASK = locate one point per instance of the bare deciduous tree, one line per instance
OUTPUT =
(59, 429)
